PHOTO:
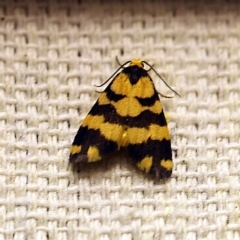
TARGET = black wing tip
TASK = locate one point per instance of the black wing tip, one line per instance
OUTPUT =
(161, 173)
(76, 158)
(165, 174)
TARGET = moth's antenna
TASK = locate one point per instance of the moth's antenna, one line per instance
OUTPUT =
(121, 66)
(160, 77)
(151, 66)
(162, 95)
(118, 62)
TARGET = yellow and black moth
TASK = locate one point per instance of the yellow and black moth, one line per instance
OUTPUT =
(127, 114)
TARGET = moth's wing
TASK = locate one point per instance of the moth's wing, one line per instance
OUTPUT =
(149, 139)
(100, 133)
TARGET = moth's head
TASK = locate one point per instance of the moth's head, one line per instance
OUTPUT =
(136, 62)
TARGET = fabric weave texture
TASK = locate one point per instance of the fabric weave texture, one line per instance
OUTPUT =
(52, 53)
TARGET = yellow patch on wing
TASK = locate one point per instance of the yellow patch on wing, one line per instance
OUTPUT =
(167, 164)
(155, 108)
(93, 154)
(75, 149)
(93, 122)
(103, 99)
(145, 164)
(159, 132)
(110, 131)
(130, 106)
(143, 88)
(137, 135)
(140, 135)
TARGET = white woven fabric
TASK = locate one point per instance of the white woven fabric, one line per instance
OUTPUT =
(51, 55)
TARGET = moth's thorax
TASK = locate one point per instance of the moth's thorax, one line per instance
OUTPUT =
(135, 73)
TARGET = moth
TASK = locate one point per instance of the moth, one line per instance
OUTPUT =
(128, 114)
